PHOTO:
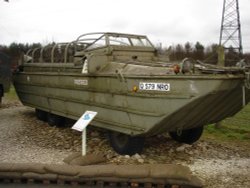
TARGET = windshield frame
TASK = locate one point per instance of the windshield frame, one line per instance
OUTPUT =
(99, 40)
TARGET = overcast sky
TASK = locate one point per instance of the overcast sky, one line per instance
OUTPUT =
(163, 21)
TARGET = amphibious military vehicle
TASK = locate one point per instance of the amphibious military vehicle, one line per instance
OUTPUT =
(136, 92)
(5, 74)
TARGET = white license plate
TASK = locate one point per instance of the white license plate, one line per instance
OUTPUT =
(154, 86)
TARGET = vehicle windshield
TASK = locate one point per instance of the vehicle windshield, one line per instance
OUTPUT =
(100, 40)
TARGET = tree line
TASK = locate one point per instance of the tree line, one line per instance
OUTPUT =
(16, 50)
(207, 54)
(176, 52)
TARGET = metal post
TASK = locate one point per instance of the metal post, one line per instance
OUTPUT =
(84, 146)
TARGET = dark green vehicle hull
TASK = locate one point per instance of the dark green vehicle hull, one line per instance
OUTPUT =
(193, 101)
(136, 91)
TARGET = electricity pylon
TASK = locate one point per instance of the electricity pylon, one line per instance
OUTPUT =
(230, 33)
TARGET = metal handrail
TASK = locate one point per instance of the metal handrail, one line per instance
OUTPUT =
(84, 42)
(33, 53)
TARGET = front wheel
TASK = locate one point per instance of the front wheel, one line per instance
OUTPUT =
(188, 136)
(125, 144)
(41, 115)
(56, 120)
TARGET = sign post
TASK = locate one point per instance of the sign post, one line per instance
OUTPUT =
(81, 126)
(84, 138)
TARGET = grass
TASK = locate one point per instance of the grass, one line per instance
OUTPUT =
(11, 95)
(233, 128)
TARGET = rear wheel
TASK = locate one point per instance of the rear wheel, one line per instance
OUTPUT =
(41, 115)
(188, 136)
(56, 120)
(125, 144)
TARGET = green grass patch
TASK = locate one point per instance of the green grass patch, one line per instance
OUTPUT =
(11, 95)
(233, 128)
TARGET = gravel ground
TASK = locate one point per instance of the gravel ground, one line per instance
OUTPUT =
(23, 138)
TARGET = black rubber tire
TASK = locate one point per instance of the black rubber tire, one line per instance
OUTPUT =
(125, 144)
(41, 115)
(56, 120)
(188, 136)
